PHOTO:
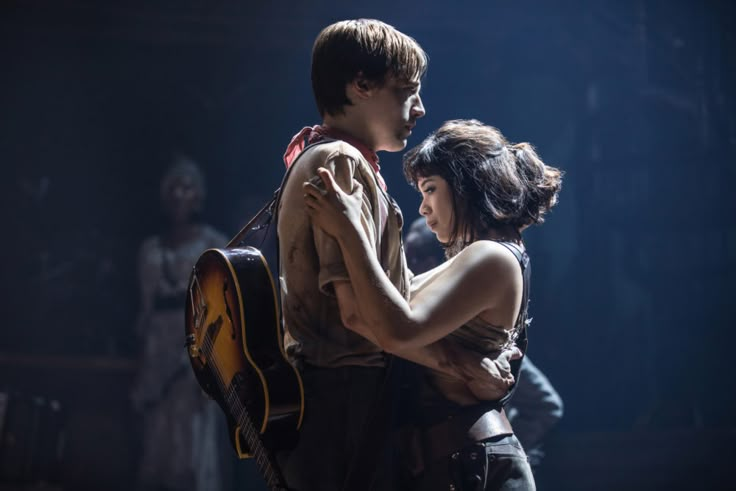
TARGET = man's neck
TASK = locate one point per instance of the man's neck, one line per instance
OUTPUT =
(350, 126)
(335, 128)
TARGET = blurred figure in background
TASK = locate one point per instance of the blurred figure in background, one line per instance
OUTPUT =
(181, 426)
(534, 409)
(536, 406)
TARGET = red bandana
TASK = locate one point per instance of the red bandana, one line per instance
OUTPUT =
(317, 133)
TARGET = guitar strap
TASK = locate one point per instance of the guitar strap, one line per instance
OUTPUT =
(268, 214)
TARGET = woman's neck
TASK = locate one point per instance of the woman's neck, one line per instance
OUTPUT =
(506, 233)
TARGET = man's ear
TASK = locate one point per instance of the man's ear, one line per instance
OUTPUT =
(360, 87)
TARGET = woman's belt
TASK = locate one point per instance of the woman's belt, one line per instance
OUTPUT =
(470, 426)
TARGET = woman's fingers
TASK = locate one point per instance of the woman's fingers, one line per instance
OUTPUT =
(515, 353)
(329, 180)
(332, 186)
(312, 196)
(311, 190)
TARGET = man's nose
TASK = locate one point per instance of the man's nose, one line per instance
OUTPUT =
(418, 109)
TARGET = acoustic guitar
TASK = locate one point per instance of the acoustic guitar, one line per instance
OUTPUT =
(234, 340)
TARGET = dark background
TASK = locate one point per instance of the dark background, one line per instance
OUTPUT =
(633, 271)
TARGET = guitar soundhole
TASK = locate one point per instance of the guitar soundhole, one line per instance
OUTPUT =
(198, 305)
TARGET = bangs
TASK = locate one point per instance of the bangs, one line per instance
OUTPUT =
(423, 161)
(395, 52)
(409, 59)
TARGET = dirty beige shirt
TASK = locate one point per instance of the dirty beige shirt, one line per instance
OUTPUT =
(311, 260)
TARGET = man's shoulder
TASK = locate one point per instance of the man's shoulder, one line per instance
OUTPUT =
(332, 150)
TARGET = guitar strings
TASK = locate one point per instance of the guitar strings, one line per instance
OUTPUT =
(233, 400)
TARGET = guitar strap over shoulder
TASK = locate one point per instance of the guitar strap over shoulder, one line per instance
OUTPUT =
(264, 219)
(268, 214)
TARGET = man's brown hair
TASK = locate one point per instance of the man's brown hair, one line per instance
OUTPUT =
(364, 47)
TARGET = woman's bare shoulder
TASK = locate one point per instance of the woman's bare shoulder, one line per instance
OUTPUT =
(487, 257)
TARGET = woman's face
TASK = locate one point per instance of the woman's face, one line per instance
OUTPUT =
(181, 198)
(436, 206)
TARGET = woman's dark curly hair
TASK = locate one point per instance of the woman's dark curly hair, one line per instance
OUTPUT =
(494, 183)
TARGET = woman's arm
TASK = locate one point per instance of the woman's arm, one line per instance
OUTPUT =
(460, 293)
(486, 378)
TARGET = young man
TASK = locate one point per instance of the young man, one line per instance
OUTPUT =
(366, 79)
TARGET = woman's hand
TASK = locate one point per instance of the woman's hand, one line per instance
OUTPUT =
(489, 377)
(496, 378)
(333, 209)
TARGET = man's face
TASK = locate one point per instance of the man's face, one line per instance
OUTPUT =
(392, 113)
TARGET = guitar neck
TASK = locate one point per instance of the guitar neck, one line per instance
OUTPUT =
(216, 318)
(239, 412)
(264, 459)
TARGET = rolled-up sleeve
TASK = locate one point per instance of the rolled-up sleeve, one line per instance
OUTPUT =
(331, 262)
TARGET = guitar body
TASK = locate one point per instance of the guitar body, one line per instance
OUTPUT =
(235, 346)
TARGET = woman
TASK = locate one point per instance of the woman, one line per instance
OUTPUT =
(478, 193)
(180, 425)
